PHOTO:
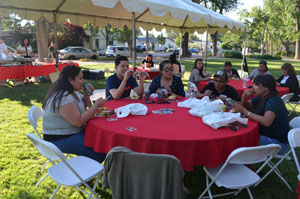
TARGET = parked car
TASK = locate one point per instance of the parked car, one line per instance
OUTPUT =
(194, 50)
(101, 52)
(140, 48)
(114, 51)
(77, 52)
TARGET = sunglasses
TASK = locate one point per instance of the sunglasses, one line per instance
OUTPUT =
(168, 69)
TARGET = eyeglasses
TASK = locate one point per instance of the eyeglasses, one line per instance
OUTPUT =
(168, 69)
(218, 81)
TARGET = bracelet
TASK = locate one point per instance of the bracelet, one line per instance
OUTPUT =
(249, 113)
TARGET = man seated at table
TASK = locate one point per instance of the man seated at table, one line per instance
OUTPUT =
(119, 85)
(219, 89)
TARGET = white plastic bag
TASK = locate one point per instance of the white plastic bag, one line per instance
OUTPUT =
(134, 109)
(219, 119)
(207, 108)
(193, 102)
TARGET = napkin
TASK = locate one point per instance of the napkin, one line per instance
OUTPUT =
(134, 109)
(193, 102)
(219, 119)
(207, 108)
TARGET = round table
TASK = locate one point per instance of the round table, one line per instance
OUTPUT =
(238, 85)
(179, 134)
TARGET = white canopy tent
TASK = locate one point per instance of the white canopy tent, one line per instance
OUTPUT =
(177, 15)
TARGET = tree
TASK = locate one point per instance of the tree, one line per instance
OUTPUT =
(161, 39)
(193, 37)
(109, 33)
(220, 6)
(231, 40)
(257, 20)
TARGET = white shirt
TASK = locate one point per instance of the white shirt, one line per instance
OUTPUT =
(284, 79)
(22, 48)
(3, 48)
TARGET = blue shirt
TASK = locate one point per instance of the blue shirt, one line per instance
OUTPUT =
(113, 82)
(176, 87)
(280, 127)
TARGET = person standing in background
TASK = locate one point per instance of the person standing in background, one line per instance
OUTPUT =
(24, 49)
(52, 51)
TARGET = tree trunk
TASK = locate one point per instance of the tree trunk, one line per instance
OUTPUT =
(41, 37)
(297, 49)
(185, 45)
(271, 47)
(214, 38)
(147, 41)
(127, 36)
(287, 47)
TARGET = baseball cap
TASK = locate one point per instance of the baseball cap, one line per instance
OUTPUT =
(221, 74)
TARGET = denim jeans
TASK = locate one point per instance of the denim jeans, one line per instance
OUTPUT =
(74, 144)
(264, 140)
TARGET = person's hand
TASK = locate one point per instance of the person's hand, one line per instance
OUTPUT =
(238, 108)
(208, 92)
(143, 75)
(100, 102)
(169, 91)
(247, 93)
(221, 98)
(127, 74)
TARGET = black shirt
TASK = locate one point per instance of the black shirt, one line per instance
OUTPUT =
(229, 91)
(148, 62)
(293, 85)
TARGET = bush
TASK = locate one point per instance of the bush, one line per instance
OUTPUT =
(277, 57)
(278, 53)
(233, 54)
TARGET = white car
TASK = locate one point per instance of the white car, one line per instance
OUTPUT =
(77, 52)
(114, 51)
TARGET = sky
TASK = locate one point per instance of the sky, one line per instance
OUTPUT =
(247, 4)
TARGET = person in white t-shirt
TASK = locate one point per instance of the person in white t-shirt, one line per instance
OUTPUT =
(24, 49)
(3, 47)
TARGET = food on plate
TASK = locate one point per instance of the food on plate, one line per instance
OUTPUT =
(172, 97)
(105, 112)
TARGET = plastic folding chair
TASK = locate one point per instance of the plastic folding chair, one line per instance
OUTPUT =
(295, 122)
(233, 174)
(34, 114)
(286, 98)
(97, 94)
(74, 172)
(294, 141)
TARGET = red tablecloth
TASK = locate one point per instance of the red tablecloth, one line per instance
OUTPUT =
(238, 85)
(152, 74)
(20, 72)
(179, 134)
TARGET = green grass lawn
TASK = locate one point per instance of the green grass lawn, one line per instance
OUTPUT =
(20, 162)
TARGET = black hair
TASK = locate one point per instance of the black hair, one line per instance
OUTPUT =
(195, 67)
(172, 59)
(263, 62)
(269, 82)
(119, 59)
(162, 64)
(62, 87)
(22, 42)
(227, 63)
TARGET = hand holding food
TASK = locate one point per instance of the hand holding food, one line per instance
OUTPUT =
(105, 112)
(247, 93)
(100, 102)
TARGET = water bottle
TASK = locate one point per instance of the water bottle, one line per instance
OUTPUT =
(244, 83)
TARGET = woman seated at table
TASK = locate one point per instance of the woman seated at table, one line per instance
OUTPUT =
(262, 69)
(197, 75)
(176, 65)
(24, 49)
(167, 80)
(231, 72)
(64, 117)
(289, 79)
(148, 61)
(269, 111)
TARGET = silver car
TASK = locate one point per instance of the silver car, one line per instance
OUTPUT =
(77, 52)
(115, 51)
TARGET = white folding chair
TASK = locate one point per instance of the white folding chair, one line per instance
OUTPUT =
(233, 174)
(293, 105)
(295, 122)
(34, 114)
(286, 98)
(294, 141)
(74, 172)
(97, 94)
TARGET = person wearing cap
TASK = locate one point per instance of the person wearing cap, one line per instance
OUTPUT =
(231, 72)
(262, 69)
(219, 89)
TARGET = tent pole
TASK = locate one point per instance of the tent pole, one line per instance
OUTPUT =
(55, 40)
(133, 41)
(206, 44)
(180, 50)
